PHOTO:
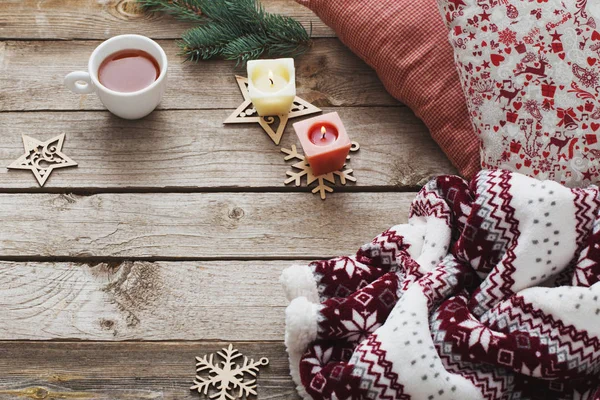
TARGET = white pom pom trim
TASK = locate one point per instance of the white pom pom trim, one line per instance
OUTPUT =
(300, 331)
(299, 281)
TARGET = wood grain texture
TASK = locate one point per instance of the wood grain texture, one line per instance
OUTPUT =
(183, 148)
(193, 149)
(103, 371)
(101, 19)
(198, 225)
(327, 75)
(234, 300)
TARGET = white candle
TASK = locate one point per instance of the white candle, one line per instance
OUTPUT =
(272, 85)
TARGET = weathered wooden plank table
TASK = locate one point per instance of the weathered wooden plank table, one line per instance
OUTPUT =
(168, 239)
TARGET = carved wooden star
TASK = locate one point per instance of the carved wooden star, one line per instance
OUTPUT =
(246, 113)
(43, 157)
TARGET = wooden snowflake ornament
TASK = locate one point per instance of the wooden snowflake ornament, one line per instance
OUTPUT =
(226, 380)
(273, 125)
(325, 183)
(42, 158)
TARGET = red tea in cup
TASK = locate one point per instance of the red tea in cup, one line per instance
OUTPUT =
(128, 71)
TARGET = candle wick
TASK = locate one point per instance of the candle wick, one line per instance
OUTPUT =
(271, 78)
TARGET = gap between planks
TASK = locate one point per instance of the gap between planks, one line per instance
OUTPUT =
(126, 370)
(118, 260)
(103, 110)
(215, 225)
(90, 191)
(321, 75)
(191, 151)
(88, 19)
(143, 301)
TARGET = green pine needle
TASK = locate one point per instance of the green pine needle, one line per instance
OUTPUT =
(239, 30)
(245, 48)
(185, 10)
(207, 41)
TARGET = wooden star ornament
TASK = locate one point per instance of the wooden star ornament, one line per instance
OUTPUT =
(246, 113)
(43, 157)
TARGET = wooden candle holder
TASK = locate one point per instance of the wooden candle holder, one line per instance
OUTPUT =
(246, 113)
(326, 182)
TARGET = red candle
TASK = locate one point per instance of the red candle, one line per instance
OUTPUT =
(323, 134)
(325, 142)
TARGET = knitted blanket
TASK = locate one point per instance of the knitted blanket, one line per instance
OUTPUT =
(490, 291)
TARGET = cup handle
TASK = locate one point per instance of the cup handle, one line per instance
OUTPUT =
(79, 82)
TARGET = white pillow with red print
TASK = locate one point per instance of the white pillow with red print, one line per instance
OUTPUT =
(530, 70)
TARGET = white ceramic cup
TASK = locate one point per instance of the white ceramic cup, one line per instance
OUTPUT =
(128, 105)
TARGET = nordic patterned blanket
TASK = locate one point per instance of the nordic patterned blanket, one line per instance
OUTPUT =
(490, 291)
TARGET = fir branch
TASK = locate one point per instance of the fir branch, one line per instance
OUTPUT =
(247, 12)
(245, 48)
(286, 34)
(214, 10)
(185, 10)
(207, 41)
(238, 30)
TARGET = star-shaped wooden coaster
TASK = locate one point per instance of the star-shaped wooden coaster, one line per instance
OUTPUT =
(43, 157)
(246, 113)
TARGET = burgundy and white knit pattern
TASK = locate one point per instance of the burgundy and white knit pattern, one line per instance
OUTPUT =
(490, 291)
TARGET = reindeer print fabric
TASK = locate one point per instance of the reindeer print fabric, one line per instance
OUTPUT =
(531, 74)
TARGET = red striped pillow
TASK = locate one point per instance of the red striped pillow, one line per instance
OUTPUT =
(406, 42)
